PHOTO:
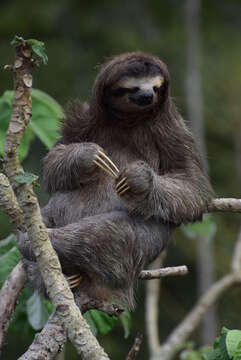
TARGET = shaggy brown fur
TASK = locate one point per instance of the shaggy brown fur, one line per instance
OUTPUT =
(107, 237)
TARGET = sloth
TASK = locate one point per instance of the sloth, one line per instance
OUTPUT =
(123, 175)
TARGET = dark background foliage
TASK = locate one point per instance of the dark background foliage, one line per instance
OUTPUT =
(79, 35)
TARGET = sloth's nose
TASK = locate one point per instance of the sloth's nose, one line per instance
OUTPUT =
(145, 98)
(142, 98)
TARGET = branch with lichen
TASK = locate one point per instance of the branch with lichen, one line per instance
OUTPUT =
(58, 291)
(9, 203)
(49, 342)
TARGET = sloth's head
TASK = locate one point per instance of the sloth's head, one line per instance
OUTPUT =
(132, 83)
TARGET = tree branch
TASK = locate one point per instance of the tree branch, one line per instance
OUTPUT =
(48, 343)
(151, 314)
(8, 298)
(163, 272)
(57, 288)
(225, 205)
(9, 203)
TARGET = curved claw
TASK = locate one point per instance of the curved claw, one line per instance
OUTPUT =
(122, 186)
(74, 280)
(104, 162)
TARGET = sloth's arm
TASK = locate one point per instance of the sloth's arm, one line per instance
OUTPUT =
(67, 167)
(176, 197)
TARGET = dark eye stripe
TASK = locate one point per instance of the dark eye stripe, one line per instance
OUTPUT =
(133, 90)
(122, 91)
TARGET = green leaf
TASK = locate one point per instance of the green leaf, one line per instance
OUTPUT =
(19, 323)
(214, 355)
(100, 322)
(38, 48)
(207, 228)
(237, 353)
(232, 341)
(125, 319)
(7, 244)
(220, 350)
(36, 311)
(91, 323)
(7, 262)
(44, 123)
(26, 178)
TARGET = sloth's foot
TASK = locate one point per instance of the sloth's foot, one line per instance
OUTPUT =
(105, 163)
(122, 186)
(74, 280)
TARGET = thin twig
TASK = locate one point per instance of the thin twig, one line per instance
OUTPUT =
(163, 272)
(135, 348)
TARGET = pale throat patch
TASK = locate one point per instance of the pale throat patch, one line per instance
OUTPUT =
(143, 83)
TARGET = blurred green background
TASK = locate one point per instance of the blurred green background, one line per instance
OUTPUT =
(78, 36)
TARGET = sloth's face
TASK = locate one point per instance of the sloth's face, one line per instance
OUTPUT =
(133, 94)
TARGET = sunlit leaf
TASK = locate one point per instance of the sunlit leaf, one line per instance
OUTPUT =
(233, 340)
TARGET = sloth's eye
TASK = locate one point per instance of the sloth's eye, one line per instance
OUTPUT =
(155, 88)
(120, 91)
(133, 90)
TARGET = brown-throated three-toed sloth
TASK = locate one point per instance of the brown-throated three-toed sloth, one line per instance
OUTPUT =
(109, 225)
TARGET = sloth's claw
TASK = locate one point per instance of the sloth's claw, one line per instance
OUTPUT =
(106, 164)
(120, 183)
(74, 280)
(108, 159)
(124, 190)
(122, 187)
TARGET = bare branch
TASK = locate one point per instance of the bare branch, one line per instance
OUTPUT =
(8, 298)
(57, 288)
(225, 205)
(48, 343)
(152, 308)
(163, 272)
(135, 348)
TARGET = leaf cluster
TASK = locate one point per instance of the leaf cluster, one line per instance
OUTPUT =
(226, 347)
